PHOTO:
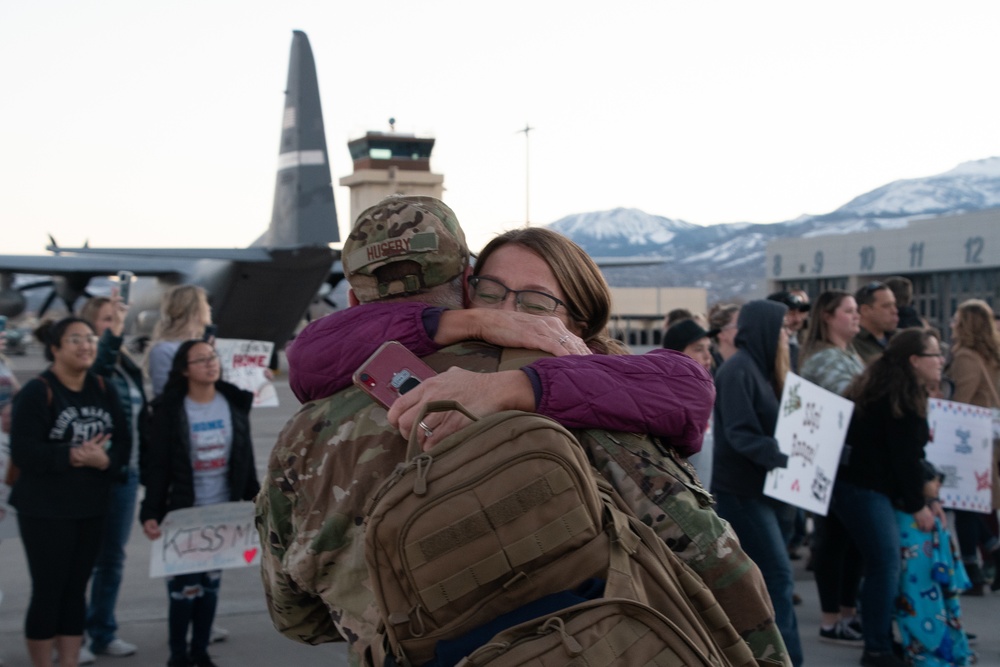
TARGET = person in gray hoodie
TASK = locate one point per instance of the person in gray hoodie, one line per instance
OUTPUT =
(748, 393)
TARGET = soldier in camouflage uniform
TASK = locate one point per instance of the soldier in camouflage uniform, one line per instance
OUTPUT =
(335, 452)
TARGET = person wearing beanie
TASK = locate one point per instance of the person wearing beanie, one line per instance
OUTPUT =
(688, 337)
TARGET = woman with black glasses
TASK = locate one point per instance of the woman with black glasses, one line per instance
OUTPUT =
(70, 441)
(884, 473)
(200, 454)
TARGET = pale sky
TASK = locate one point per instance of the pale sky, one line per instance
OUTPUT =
(149, 123)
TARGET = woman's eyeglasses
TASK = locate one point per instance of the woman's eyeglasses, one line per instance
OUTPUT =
(82, 339)
(489, 292)
(203, 360)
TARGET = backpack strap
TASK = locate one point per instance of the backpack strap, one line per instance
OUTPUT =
(513, 358)
(48, 391)
(48, 388)
(991, 386)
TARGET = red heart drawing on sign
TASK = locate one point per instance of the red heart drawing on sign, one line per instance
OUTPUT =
(249, 554)
(795, 485)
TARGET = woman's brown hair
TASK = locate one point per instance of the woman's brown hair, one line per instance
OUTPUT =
(587, 293)
(892, 376)
(818, 333)
(975, 330)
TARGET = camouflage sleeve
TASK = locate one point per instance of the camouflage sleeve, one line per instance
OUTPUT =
(664, 492)
(295, 613)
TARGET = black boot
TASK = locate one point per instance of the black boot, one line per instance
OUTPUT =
(976, 577)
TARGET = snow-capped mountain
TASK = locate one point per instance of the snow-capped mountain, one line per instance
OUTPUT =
(622, 228)
(970, 186)
(728, 259)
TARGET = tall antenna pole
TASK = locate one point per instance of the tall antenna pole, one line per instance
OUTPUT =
(527, 179)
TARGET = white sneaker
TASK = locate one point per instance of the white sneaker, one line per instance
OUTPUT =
(119, 648)
(86, 656)
(219, 634)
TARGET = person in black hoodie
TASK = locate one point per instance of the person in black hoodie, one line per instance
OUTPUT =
(70, 442)
(200, 454)
(748, 391)
(882, 471)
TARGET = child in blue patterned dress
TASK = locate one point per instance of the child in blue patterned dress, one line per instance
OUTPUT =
(928, 613)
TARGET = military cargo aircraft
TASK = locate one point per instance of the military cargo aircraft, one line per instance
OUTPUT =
(258, 293)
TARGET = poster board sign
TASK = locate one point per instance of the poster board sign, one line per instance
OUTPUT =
(213, 537)
(961, 447)
(8, 516)
(245, 363)
(812, 425)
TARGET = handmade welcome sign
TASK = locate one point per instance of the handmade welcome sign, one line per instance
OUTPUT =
(812, 425)
(245, 363)
(213, 537)
(961, 447)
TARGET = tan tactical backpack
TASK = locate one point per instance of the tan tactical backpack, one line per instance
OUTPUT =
(468, 541)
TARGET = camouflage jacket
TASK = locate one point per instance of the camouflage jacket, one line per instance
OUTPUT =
(329, 459)
(334, 454)
(832, 368)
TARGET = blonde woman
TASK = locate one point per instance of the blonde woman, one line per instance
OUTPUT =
(722, 323)
(975, 370)
(184, 314)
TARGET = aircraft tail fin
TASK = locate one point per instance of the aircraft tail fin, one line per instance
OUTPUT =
(304, 211)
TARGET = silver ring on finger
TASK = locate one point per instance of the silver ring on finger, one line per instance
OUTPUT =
(563, 339)
(428, 431)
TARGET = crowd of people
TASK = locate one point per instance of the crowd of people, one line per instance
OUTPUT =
(885, 548)
(85, 435)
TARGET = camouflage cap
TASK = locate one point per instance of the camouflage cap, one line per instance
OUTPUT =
(423, 230)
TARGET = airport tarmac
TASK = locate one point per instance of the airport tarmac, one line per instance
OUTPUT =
(142, 607)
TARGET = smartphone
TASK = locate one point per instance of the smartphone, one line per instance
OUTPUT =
(125, 284)
(391, 371)
(210, 331)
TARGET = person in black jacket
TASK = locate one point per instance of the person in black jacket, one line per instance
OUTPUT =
(748, 390)
(884, 472)
(113, 364)
(200, 454)
(70, 442)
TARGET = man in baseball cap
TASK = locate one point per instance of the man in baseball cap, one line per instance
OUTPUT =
(331, 456)
(418, 236)
(795, 319)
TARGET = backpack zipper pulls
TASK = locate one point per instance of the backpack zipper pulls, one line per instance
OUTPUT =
(423, 463)
(569, 643)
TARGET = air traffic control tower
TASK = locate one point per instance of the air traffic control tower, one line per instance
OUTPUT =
(389, 163)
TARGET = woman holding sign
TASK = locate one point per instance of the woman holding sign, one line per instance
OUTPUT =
(71, 443)
(200, 454)
(884, 472)
(975, 370)
(829, 361)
